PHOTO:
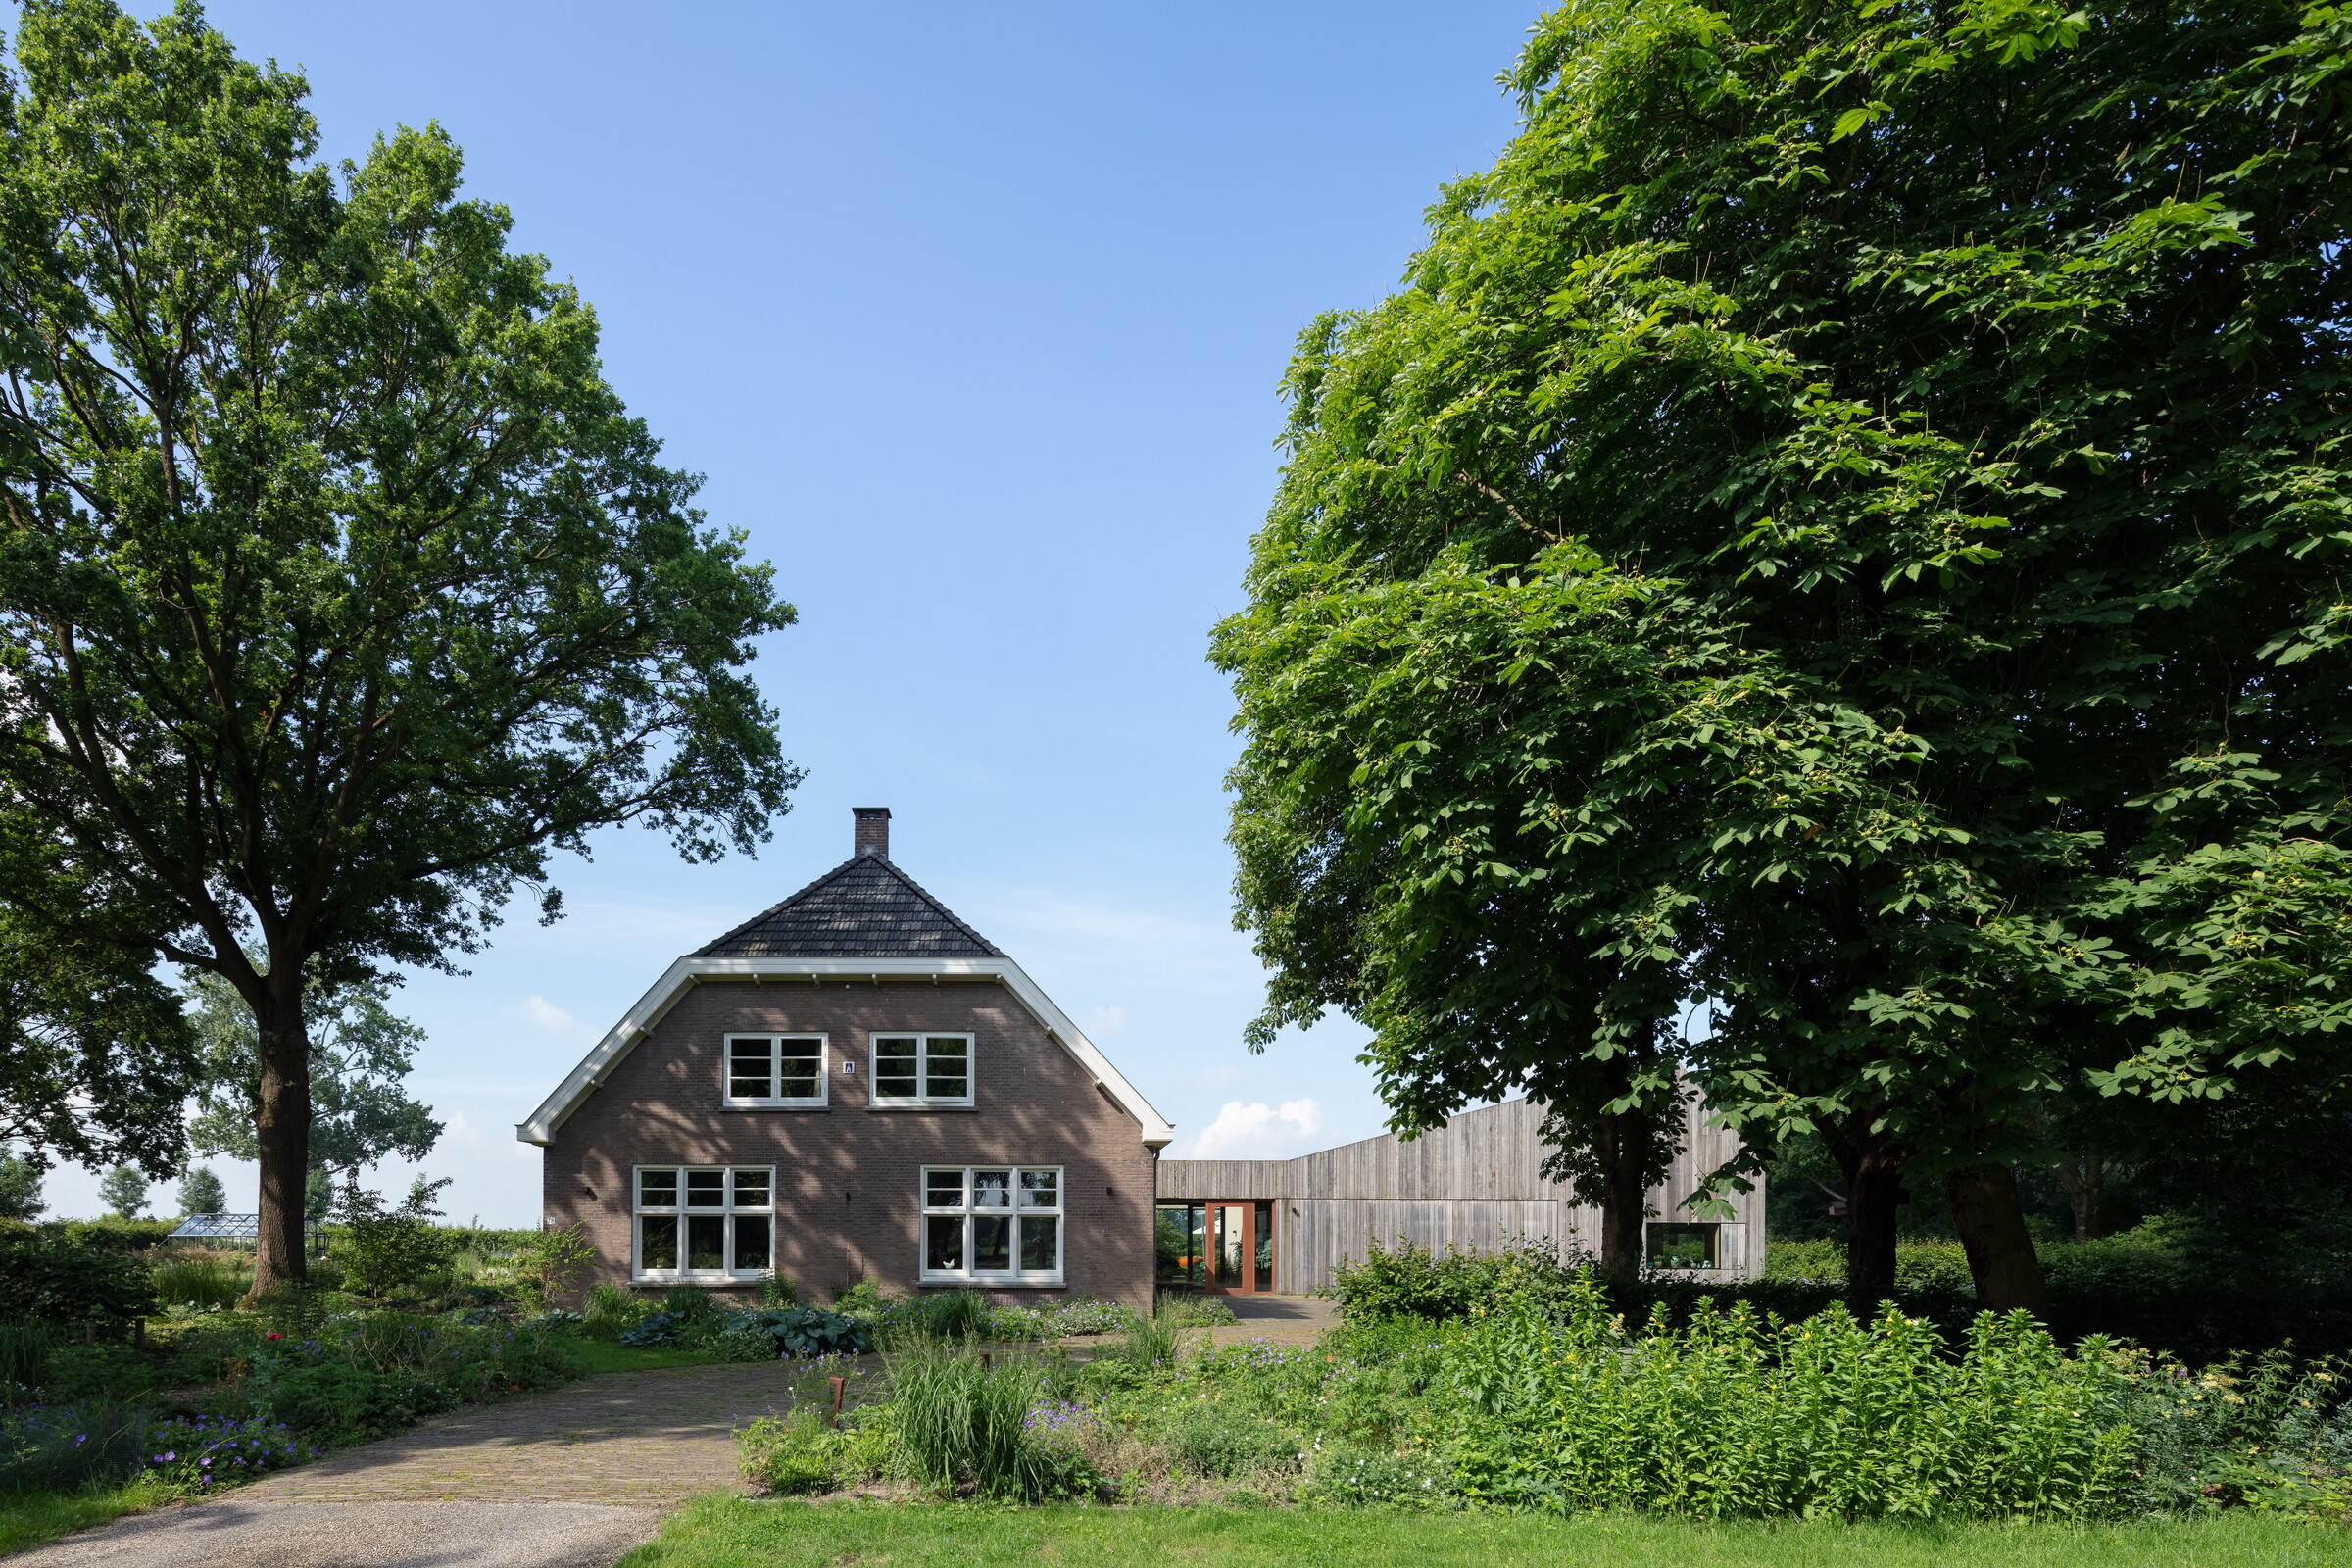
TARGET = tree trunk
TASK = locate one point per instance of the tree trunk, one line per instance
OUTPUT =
(1623, 1149)
(2085, 1178)
(1873, 1186)
(2001, 1251)
(281, 1120)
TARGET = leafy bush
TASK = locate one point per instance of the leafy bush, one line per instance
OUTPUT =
(801, 1331)
(385, 1253)
(1409, 1281)
(365, 1375)
(52, 1280)
(1212, 1438)
(653, 1330)
(2275, 1434)
(1735, 1415)
(864, 1300)
(613, 1309)
(804, 1453)
(553, 1260)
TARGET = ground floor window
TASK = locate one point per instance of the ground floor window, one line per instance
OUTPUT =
(705, 1222)
(1225, 1247)
(993, 1222)
(1684, 1246)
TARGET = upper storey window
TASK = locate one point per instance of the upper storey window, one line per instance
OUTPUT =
(775, 1070)
(922, 1070)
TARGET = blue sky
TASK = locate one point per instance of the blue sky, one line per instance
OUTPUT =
(973, 317)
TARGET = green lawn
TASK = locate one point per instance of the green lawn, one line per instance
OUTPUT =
(602, 1355)
(723, 1531)
(28, 1518)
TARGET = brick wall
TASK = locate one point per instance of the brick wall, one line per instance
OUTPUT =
(847, 1176)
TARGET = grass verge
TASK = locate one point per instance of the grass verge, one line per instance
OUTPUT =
(726, 1532)
(28, 1518)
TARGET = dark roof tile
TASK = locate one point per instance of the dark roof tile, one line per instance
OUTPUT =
(865, 907)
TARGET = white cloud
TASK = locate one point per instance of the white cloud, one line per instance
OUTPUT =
(545, 1014)
(1107, 1020)
(1256, 1132)
(1220, 1077)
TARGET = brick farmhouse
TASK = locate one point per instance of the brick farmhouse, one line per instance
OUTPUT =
(855, 1083)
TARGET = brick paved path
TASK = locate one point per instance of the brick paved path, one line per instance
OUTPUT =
(632, 1440)
(1280, 1319)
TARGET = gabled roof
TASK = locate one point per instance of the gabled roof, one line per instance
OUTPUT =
(865, 918)
(865, 907)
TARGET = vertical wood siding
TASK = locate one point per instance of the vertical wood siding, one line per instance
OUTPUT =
(1475, 1183)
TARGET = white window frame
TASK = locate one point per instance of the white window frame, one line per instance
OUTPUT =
(969, 1211)
(775, 1070)
(640, 1211)
(922, 1068)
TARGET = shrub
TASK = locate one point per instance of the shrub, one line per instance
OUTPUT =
(1409, 1281)
(1188, 1311)
(804, 1453)
(1210, 1437)
(653, 1330)
(612, 1310)
(1736, 1415)
(385, 1252)
(864, 1300)
(801, 1331)
(51, 1280)
(546, 1267)
(365, 1375)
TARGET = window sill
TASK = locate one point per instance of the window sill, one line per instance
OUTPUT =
(703, 1277)
(774, 1105)
(1000, 1282)
(922, 1105)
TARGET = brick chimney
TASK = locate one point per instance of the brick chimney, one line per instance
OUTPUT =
(873, 830)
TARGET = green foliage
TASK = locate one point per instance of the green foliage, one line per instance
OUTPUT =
(1409, 1280)
(804, 1453)
(612, 1310)
(388, 1251)
(23, 1356)
(961, 1424)
(94, 1055)
(801, 1331)
(364, 1374)
(200, 1193)
(552, 1260)
(201, 1280)
(361, 1051)
(123, 1191)
(19, 1189)
(1786, 545)
(1732, 1415)
(340, 590)
(51, 1280)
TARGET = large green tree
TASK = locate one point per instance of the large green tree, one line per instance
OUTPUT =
(1971, 373)
(337, 588)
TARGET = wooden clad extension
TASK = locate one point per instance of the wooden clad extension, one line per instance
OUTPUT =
(1475, 1183)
